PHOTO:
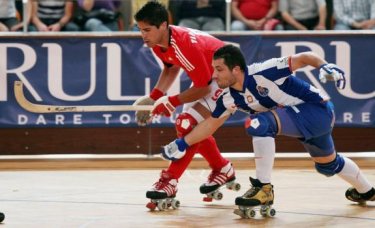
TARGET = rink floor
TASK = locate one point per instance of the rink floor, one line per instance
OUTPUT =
(116, 198)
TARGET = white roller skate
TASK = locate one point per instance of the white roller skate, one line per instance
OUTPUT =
(353, 195)
(216, 180)
(163, 193)
(258, 197)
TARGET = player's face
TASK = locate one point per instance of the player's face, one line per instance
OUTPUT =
(222, 74)
(151, 34)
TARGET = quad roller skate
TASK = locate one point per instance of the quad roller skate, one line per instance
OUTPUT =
(258, 197)
(353, 195)
(216, 180)
(163, 194)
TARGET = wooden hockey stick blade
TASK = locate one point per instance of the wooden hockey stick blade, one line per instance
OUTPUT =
(40, 108)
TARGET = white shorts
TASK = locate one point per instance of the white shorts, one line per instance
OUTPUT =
(209, 101)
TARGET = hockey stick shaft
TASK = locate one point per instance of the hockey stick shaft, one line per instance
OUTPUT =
(40, 108)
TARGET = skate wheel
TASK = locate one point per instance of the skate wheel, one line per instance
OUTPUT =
(362, 203)
(271, 212)
(175, 204)
(237, 187)
(218, 195)
(151, 206)
(207, 199)
(162, 205)
(263, 211)
(250, 213)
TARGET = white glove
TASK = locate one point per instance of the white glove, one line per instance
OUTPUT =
(143, 117)
(331, 72)
(174, 150)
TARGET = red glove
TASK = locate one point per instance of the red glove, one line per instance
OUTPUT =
(165, 106)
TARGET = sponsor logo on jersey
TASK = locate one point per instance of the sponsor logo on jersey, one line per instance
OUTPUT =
(262, 91)
(249, 99)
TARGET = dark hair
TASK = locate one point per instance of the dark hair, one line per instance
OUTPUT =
(232, 56)
(153, 13)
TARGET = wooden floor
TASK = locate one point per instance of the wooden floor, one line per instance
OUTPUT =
(116, 198)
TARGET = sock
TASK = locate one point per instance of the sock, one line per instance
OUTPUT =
(209, 150)
(352, 174)
(264, 155)
(178, 167)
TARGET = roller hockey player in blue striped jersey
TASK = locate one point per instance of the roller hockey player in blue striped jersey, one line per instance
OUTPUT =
(278, 103)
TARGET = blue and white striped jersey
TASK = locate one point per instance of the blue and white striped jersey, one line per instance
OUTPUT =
(267, 85)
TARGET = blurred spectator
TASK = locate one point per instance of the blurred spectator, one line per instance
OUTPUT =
(329, 20)
(354, 14)
(254, 15)
(303, 15)
(205, 15)
(137, 5)
(10, 19)
(52, 16)
(100, 16)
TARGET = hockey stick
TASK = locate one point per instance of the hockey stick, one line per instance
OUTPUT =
(40, 108)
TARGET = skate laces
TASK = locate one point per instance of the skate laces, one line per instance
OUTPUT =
(213, 175)
(252, 191)
(160, 184)
(217, 177)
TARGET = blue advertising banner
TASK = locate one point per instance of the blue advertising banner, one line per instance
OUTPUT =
(117, 70)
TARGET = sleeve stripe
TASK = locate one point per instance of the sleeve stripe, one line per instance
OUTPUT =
(181, 57)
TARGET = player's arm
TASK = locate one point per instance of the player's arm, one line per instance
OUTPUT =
(199, 71)
(177, 149)
(166, 79)
(167, 76)
(303, 59)
(327, 71)
(193, 94)
(204, 129)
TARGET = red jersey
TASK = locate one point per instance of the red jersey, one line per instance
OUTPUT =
(254, 9)
(193, 51)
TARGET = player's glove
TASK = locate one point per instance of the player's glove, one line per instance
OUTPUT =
(331, 72)
(174, 150)
(165, 106)
(144, 117)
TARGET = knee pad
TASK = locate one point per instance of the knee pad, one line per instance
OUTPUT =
(261, 124)
(330, 169)
(185, 124)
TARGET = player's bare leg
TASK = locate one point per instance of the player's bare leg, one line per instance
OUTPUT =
(258, 196)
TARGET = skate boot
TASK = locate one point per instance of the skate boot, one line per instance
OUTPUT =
(259, 196)
(361, 198)
(2, 217)
(217, 179)
(163, 193)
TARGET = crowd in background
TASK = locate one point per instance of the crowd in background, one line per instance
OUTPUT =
(206, 15)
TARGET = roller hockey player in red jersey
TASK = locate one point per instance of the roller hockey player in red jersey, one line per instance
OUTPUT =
(191, 50)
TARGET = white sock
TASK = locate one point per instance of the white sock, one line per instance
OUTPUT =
(264, 155)
(352, 174)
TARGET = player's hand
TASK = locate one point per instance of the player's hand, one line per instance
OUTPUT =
(174, 150)
(143, 117)
(331, 72)
(165, 106)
